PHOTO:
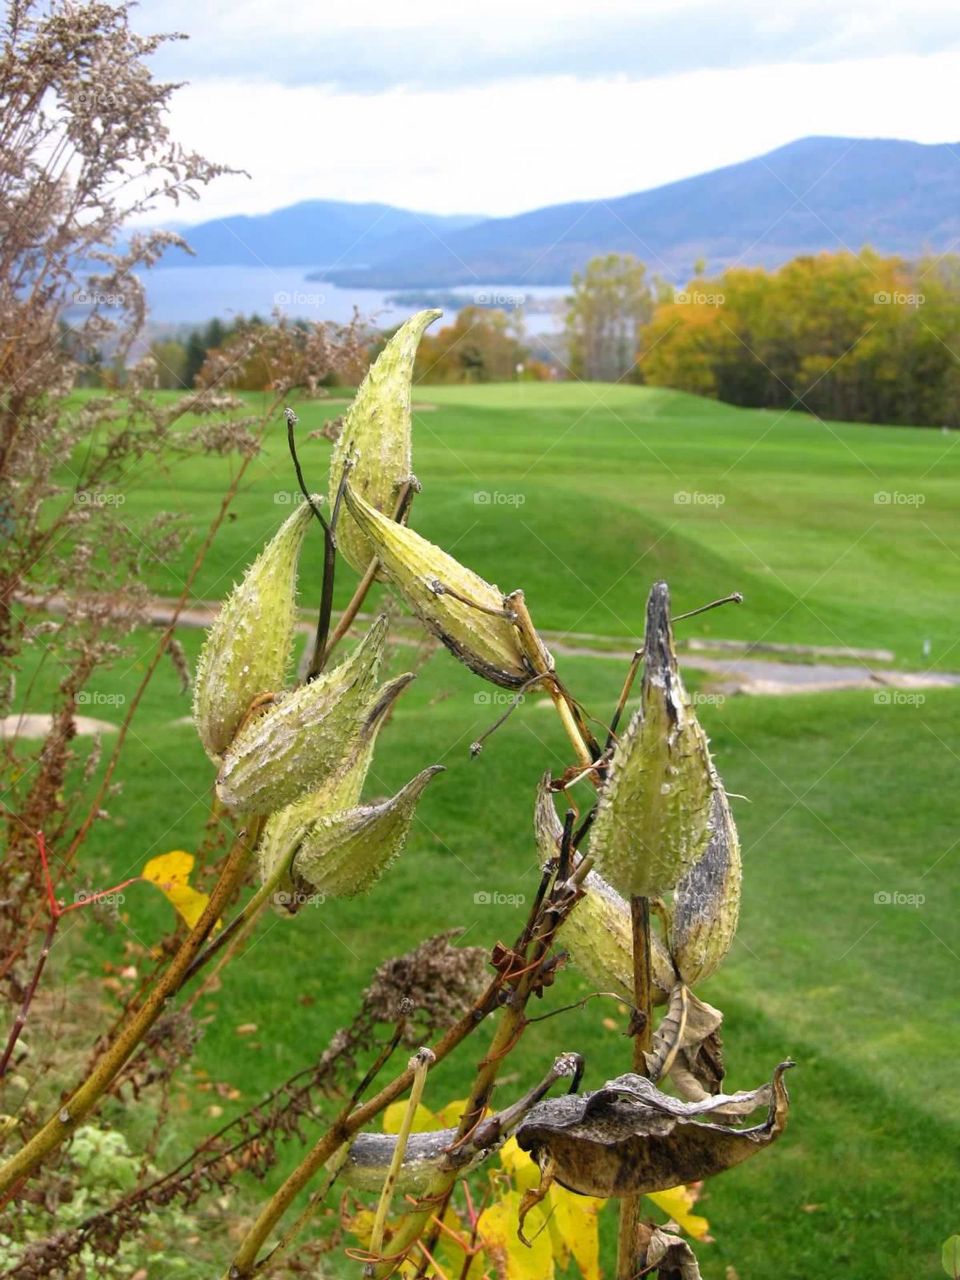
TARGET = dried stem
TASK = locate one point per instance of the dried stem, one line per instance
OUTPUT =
(83, 1100)
(642, 1030)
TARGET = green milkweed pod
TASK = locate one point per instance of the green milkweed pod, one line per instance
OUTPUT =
(599, 938)
(472, 618)
(305, 737)
(247, 649)
(706, 904)
(284, 831)
(375, 439)
(346, 854)
(598, 932)
(652, 815)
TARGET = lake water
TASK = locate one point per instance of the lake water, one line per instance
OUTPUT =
(193, 295)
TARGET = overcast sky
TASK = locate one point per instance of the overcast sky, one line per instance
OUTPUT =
(505, 105)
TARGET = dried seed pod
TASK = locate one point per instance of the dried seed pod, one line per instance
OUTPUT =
(285, 830)
(598, 935)
(305, 737)
(470, 616)
(247, 650)
(345, 854)
(652, 816)
(547, 826)
(706, 904)
(628, 1138)
(375, 438)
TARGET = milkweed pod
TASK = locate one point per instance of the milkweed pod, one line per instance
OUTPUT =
(375, 439)
(247, 649)
(470, 616)
(598, 936)
(547, 826)
(305, 737)
(628, 1138)
(285, 830)
(706, 904)
(347, 853)
(652, 815)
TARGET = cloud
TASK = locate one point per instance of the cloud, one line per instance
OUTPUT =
(372, 46)
(525, 143)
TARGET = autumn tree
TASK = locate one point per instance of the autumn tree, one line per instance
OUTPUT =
(482, 345)
(611, 301)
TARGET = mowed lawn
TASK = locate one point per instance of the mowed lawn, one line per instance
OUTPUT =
(571, 492)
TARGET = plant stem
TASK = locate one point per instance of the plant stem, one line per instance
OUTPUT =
(30, 992)
(83, 1100)
(420, 1064)
(366, 582)
(642, 1029)
(343, 1128)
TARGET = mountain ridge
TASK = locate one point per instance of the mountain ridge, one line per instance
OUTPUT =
(816, 193)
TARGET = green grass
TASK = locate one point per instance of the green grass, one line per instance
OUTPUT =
(583, 481)
(845, 798)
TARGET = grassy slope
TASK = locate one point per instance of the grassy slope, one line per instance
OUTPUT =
(597, 469)
(847, 798)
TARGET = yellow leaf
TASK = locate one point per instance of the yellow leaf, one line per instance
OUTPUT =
(450, 1115)
(170, 872)
(169, 868)
(423, 1120)
(574, 1220)
(511, 1259)
(523, 1171)
(677, 1202)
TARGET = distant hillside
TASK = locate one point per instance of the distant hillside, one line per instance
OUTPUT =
(811, 195)
(320, 233)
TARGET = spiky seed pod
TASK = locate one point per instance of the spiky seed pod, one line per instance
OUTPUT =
(375, 439)
(346, 854)
(598, 936)
(437, 588)
(305, 737)
(247, 650)
(652, 816)
(284, 831)
(706, 904)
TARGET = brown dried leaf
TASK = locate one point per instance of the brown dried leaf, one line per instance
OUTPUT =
(629, 1138)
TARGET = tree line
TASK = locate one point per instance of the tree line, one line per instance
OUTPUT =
(855, 336)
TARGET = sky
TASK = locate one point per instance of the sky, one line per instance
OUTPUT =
(498, 107)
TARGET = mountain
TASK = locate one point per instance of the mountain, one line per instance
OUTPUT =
(319, 233)
(811, 195)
